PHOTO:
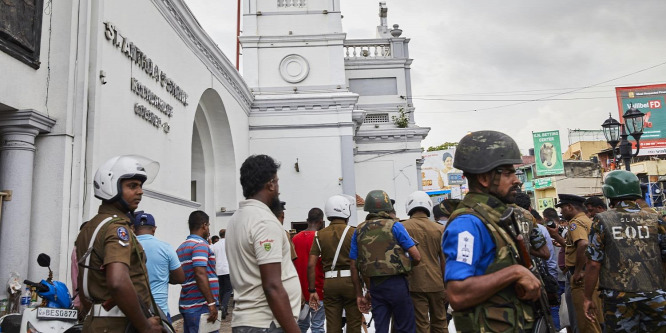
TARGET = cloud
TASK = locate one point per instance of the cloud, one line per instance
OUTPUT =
(483, 49)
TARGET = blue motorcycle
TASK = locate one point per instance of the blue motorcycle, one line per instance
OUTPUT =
(54, 315)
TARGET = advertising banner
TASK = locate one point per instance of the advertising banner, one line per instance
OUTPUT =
(540, 183)
(548, 159)
(438, 174)
(544, 203)
(649, 100)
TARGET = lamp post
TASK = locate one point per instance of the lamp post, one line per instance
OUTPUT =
(616, 133)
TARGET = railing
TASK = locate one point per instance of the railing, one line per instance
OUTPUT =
(371, 48)
(291, 3)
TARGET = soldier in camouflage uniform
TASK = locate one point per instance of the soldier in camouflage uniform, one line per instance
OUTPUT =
(378, 252)
(627, 251)
(487, 287)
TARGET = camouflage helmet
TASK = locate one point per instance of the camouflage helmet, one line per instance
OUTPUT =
(377, 201)
(447, 206)
(482, 151)
(621, 184)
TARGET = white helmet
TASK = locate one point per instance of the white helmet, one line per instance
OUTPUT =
(107, 178)
(418, 199)
(339, 206)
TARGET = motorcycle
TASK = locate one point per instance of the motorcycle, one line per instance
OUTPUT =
(54, 315)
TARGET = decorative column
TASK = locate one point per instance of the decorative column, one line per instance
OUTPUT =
(18, 130)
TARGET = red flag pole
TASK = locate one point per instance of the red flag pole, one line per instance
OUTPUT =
(238, 16)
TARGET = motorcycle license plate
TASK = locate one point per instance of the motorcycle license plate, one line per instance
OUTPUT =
(57, 314)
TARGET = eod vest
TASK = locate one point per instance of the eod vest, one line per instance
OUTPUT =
(503, 311)
(632, 260)
(379, 253)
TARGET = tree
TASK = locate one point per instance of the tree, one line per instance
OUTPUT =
(443, 146)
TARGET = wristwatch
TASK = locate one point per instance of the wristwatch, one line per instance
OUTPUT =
(312, 290)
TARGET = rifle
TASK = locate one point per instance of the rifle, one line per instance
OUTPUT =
(508, 222)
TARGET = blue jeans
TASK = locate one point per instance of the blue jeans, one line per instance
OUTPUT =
(191, 320)
(314, 320)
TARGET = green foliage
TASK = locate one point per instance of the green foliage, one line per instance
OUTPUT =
(402, 121)
(443, 146)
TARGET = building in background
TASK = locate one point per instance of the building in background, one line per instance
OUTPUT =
(88, 80)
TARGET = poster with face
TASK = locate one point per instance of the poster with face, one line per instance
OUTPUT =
(438, 171)
(548, 153)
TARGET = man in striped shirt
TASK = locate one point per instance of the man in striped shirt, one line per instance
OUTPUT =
(201, 289)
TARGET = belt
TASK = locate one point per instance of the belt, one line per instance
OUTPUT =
(99, 311)
(335, 274)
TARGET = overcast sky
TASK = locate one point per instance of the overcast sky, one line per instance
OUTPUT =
(468, 52)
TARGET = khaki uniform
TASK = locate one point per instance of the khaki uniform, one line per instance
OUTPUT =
(114, 243)
(426, 283)
(338, 291)
(579, 228)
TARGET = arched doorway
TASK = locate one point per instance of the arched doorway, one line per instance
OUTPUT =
(213, 160)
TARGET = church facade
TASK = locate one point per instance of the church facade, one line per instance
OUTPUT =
(94, 79)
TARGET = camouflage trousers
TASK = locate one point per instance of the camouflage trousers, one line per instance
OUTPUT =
(628, 315)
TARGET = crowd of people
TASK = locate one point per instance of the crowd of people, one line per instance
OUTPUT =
(490, 262)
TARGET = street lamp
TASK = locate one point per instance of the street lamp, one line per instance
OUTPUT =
(616, 133)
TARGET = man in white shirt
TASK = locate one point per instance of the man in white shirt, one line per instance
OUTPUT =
(267, 291)
(222, 271)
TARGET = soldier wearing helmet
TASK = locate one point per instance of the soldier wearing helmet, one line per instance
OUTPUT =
(378, 252)
(442, 211)
(487, 287)
(426, 282)
(113, 278)
(332, 244)
(627, 254)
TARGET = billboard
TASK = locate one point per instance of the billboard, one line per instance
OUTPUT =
(548, 159)
(650, 100)
(438, 174)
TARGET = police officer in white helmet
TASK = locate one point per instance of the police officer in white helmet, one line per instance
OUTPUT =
(426, 282)
(112, 277)
(332, 244)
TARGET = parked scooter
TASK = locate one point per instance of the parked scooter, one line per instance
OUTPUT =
(54, 315)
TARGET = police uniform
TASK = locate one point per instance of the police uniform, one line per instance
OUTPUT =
(338, 288)
(579, 229)
(378, 246)
(426, 283)
(474, 244)
(114, 243)
(630, 244)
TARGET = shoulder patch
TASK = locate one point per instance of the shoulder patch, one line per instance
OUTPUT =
(572, 227)
(465, 247)
(123, 234)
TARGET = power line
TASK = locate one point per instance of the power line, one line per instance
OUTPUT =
(558, 94)
(528, 92)
(507, 100)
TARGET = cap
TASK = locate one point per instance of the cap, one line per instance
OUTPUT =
(144, 219)
(569, 199)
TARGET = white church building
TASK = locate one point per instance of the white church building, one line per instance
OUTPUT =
(84, 81)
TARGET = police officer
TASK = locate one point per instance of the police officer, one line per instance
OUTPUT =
(487, 287)
(626, 251)
(572, 209)
(426, 283)
(378, 250)
(332, 244)
(113, 276)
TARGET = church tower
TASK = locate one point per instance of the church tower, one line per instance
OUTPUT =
(303, 114)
